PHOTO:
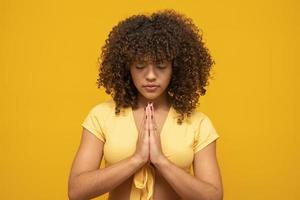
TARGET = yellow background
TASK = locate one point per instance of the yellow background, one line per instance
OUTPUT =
(48, 57)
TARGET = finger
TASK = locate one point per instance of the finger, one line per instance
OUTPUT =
(144, 117)
(145, 128)
(147, 119)
(142, 123)
(152, 112)
(151, 125)
(154, 126)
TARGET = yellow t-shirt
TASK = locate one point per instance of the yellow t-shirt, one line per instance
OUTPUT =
(119, 133)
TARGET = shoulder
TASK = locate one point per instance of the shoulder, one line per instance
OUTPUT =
(102, 110)
(196, 118)
(103, 107)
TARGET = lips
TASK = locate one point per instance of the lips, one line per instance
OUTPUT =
(151, 85)
(151, 88)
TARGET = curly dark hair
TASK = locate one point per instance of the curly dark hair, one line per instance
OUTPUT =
(164, 35)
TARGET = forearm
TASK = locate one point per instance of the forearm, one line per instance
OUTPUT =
(97, 182)
(187, 186)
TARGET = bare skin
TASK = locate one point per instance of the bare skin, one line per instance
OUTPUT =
(159, 75)
(87, 181)
(162, 190)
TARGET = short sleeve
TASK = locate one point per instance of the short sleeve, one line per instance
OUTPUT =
(92, 122)
(205, 134)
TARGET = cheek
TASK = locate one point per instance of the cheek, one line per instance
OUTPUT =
(136, 78)
(168, 76)
(166, 80)
(134, 74)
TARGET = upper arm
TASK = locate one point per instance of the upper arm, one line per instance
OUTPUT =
(206, 166)
(89, 154)
(205, 160)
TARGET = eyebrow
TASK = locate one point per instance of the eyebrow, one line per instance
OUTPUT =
(151, 61)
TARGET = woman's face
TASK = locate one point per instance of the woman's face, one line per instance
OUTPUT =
(154, 75)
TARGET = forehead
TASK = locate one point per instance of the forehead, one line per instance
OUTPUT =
(147, 59)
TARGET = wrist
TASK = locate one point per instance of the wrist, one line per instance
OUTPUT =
(137, 160)
(160, 162)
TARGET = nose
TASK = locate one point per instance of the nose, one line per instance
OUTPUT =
(150, 73)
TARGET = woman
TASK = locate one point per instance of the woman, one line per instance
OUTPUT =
(150, 134)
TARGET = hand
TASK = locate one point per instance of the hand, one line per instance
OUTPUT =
(154, 137)
(142, 147)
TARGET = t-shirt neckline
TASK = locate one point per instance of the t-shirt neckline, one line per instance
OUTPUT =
(164, 126)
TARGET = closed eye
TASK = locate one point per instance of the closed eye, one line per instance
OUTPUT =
(161, 66)
(139, 66)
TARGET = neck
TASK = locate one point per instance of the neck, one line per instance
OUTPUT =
(160, 102)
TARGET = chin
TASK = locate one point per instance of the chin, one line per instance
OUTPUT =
(151, 96)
